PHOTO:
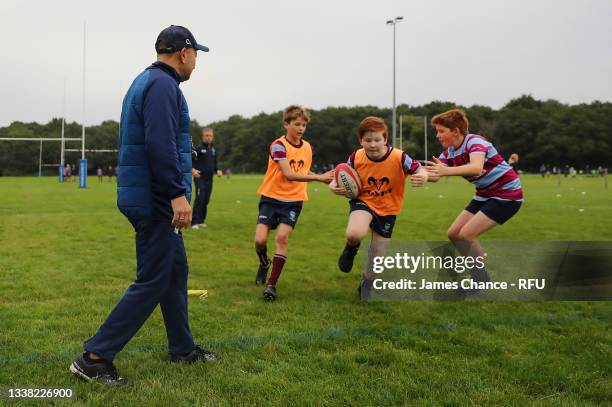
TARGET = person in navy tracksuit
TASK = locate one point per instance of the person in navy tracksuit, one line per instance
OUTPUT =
(153, 192)
(204, 169)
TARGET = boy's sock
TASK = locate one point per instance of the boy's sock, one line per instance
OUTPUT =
(277, 267)
(352, 249)
(262, 253)
(264, 264)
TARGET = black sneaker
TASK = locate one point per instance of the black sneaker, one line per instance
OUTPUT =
(345, 262)
(96, 370)
(262, 273)
(196, 355)
(269, 293)
(364, 290)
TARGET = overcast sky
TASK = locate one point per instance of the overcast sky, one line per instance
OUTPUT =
(266, 54)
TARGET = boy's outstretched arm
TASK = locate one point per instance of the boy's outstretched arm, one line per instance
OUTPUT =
(311, 176)
(436, 169)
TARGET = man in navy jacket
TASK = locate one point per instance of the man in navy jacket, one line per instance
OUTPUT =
(153, 192)
(204, 169)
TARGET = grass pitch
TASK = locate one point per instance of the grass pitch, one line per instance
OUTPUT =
(67, 255)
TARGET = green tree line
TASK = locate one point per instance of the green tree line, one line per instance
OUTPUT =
(540, 131)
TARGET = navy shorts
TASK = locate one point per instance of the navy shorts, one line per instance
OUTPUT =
(383, 225)
(272, 212)
(496, 209)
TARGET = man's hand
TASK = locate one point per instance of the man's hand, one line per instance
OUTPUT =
(195, 173)
(182, 212)
(327, 177)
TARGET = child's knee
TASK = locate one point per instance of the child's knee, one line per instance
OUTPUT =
(453, 234)
(465, 235)
(261, 236)
(354, 236)
(282, 239)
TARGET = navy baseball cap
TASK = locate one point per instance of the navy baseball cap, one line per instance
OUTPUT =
(175, 38)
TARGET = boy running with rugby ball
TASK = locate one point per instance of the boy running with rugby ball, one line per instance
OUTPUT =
(383, 171)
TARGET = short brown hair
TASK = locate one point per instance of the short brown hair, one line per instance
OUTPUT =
(453, 119)
(372, 123)
(293, 112)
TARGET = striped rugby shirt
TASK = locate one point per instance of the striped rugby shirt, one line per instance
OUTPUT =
(498, 180)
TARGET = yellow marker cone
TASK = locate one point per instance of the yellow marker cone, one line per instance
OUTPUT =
(198, 293)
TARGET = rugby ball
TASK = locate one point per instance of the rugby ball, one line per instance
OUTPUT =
(347, 177)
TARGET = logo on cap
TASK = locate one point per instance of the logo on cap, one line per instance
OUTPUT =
(175, 37)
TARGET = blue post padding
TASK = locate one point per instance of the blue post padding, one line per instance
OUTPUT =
(61, 173)
(82, 173)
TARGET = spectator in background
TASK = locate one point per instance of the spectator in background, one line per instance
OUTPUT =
(110, 173)
(67, 173)
(99, 173)
(204, 168)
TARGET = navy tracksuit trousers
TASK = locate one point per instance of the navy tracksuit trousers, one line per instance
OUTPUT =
(203, 189)
(161, 278)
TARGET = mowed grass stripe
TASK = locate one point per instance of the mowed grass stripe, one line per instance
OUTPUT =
(297, 338)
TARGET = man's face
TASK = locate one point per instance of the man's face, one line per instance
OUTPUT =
(188, 58)
(207, 137)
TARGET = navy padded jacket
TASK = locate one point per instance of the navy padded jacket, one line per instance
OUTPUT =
(154, 146)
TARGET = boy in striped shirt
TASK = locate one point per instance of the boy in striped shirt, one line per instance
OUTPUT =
(499, 194)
